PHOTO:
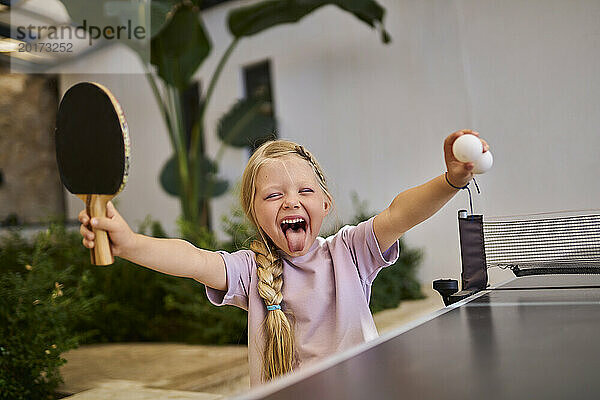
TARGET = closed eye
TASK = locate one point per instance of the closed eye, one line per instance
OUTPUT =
(271, 196)
(307, 190)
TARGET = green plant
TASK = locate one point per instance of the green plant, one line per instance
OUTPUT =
(39, 305)
(239, 230)
(200, 320)
(192, 175)
(179, 46)
(397, 282)
(131, 303)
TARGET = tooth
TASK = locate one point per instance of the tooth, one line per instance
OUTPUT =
(292, 221)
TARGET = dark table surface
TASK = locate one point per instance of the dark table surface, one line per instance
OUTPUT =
(533, 337)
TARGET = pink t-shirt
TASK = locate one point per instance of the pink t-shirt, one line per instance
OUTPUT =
(327, 290)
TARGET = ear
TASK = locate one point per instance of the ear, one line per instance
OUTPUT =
(326, 206)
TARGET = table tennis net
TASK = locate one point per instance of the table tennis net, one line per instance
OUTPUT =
(543, 243)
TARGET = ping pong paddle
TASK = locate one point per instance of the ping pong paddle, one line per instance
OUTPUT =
(92, 151)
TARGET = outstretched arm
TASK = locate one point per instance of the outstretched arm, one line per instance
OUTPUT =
(415, 205)
(170, 256)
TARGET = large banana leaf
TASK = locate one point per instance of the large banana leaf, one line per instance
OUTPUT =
(255, 18)
(180, 47)
(208, 183)
(160, 13)
(248, 121)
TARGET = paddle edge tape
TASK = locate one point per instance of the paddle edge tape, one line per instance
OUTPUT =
(124, 130)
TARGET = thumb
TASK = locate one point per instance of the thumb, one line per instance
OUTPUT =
(111, 211)
(103, 223)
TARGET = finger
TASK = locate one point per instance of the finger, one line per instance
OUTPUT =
(464, 132)
(455, 135)
(86, 233)
(88, 243)
(83, 217)
(486, 147)
(450, 140)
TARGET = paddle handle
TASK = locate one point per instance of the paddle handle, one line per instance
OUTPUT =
(96, 207)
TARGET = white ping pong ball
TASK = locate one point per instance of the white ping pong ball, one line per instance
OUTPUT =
(484, 163)
(467, 148)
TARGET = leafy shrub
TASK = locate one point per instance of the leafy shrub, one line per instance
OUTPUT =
(39, 304)
(397, 282)
(133, 303)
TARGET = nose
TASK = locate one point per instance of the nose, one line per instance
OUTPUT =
(291, 202)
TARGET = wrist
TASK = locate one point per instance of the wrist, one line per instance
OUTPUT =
(454, 184)
(129, 249)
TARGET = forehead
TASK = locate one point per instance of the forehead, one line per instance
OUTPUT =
(286, 169)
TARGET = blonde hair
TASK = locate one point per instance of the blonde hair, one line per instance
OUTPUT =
(278, 331)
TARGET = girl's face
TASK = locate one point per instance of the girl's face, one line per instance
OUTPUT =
(289, 204)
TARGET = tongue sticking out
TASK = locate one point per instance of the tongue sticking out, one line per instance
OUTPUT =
(295, 238)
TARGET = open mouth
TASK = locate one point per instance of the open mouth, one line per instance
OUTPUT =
(294, 224)
(294, 230)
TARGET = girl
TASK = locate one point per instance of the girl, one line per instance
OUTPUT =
(307, 297)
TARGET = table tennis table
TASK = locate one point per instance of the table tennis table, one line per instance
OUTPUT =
(534, 336)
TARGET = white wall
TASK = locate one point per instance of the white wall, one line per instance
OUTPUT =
(524, 74)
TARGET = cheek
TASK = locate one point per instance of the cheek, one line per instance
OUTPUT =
(265, 215)
(318, 212)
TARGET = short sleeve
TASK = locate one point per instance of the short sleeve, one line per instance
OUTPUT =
(238, 267)
(366, 254)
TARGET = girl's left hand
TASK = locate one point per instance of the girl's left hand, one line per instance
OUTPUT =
(459, 173)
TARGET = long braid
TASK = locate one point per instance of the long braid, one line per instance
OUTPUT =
(278, 356)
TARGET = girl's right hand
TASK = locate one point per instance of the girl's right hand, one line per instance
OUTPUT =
(122, 238)
(459, 173)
